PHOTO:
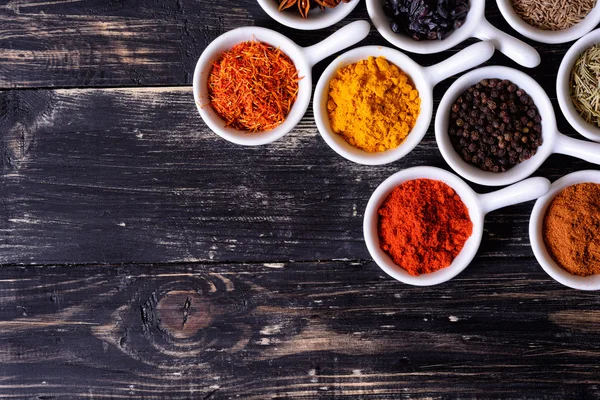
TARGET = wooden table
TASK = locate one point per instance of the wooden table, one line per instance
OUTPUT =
(142, 256)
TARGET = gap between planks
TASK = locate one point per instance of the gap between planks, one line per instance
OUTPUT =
(151, 88)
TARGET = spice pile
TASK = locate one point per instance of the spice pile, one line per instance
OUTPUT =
(304, 6)
(253, 86)
(423, 225)
(585, 85)
(426, 19)
(495, 125)
(372, 105)
(553, 15)
(571, 229)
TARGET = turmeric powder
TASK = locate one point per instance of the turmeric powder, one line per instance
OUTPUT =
(373, 105)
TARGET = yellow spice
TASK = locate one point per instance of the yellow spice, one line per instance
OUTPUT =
(372, 105)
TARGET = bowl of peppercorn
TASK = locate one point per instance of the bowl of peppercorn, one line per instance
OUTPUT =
(496, 126)
(433, 26)
(308, 14)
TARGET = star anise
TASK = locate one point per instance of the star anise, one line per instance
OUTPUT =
(304, 6)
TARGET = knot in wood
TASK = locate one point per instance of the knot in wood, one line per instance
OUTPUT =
(22, 114)
(183, 313)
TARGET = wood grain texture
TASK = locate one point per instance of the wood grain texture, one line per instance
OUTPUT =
(77, 43)
(133, 175)
(303, 330)
(143, 257)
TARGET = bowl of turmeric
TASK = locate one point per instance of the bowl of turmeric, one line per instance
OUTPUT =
(374, 104)
(405, 210)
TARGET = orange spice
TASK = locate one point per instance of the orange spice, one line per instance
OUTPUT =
(423, 225)
(253, 86)
(571, 229)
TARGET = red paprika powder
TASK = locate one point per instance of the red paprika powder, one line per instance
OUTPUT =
(423, 225)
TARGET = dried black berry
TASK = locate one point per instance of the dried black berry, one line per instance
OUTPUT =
(426, 19)
(500, 125)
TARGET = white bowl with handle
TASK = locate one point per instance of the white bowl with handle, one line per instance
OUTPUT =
(536, 225)
(546, 36)
(424, 79)
(317, 18)
(304, 58)
(553, 140)
(478, 206)
(475, 25)
(563, 86)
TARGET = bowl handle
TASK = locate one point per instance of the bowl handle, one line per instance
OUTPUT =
(512, 47)
(529, 189)
(465, 59)
(588, 151)
(344, 37)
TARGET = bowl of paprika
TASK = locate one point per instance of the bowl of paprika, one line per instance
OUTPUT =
(563, 230)
(423, 225)
(244, 99)
(373, 104)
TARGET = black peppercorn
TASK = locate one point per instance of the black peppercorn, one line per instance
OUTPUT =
(499, 123)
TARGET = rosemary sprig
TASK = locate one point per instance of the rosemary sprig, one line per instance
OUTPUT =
(585, 85)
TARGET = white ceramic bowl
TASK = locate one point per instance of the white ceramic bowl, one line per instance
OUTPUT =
(475, 25)
(536, 237)
(563, 87)
(550, 37)
(424, 78)
(303, 58)
(554, 141)
(477, 204)
(317, 18)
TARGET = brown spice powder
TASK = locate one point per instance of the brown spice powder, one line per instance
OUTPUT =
(553, 15)
(571, 229)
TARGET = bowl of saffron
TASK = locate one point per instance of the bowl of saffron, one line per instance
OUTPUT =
(423, 225)
(253, 85)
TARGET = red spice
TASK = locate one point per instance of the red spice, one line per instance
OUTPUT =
(423, 225)
(253, 86)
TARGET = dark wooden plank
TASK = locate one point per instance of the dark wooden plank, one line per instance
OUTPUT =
(67, 43)
(304, 330)
(118, 177)
(132, 175)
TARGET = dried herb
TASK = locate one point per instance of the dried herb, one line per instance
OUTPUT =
(585, 87)
(426, 19)
(304, 6)
(253, 86)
